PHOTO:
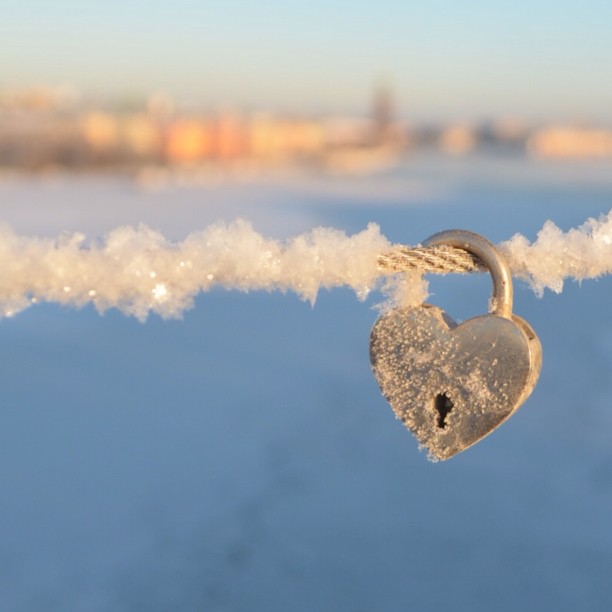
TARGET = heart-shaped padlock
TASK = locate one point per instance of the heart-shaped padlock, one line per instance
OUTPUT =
(453, 384)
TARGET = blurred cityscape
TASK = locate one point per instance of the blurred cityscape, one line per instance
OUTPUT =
(46, 129)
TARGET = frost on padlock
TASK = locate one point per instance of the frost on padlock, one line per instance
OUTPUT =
(453, 384)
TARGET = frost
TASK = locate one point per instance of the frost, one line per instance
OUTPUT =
(581, 253)
(409, 289)
(137, 270)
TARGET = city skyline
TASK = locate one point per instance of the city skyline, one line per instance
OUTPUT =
(536, 60)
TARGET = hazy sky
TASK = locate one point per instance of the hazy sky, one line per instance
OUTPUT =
(443, 58)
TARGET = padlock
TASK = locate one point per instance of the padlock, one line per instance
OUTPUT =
(453, 384)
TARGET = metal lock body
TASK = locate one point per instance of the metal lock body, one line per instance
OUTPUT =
(453, 384)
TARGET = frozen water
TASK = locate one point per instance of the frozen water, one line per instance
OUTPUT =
(243, 458)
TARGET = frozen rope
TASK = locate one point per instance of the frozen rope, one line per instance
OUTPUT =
(139, 271)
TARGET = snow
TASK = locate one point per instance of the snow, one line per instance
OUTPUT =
(580, 253)
(243, 458)
(137, 270)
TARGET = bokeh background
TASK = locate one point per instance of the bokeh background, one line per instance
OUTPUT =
(242, 458)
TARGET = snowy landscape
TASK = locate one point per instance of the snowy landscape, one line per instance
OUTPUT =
(242, 457)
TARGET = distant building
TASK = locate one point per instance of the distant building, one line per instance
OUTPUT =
(230, 137)
(571, 142)
(457, 140)
(383, 114)
(188, 141)
(140, 137)
(385, 129)
(100, 131)
(46, 128)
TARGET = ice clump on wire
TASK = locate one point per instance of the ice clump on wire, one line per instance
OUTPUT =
(579, 254)
(138, 271)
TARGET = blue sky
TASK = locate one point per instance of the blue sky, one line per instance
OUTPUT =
(464, 59)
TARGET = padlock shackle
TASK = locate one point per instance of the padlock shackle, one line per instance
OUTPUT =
(494, 261)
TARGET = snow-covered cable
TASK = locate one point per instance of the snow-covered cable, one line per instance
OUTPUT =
(139, 271)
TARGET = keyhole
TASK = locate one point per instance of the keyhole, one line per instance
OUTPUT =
(443, 405)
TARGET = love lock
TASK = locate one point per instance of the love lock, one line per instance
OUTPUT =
(453, 384)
